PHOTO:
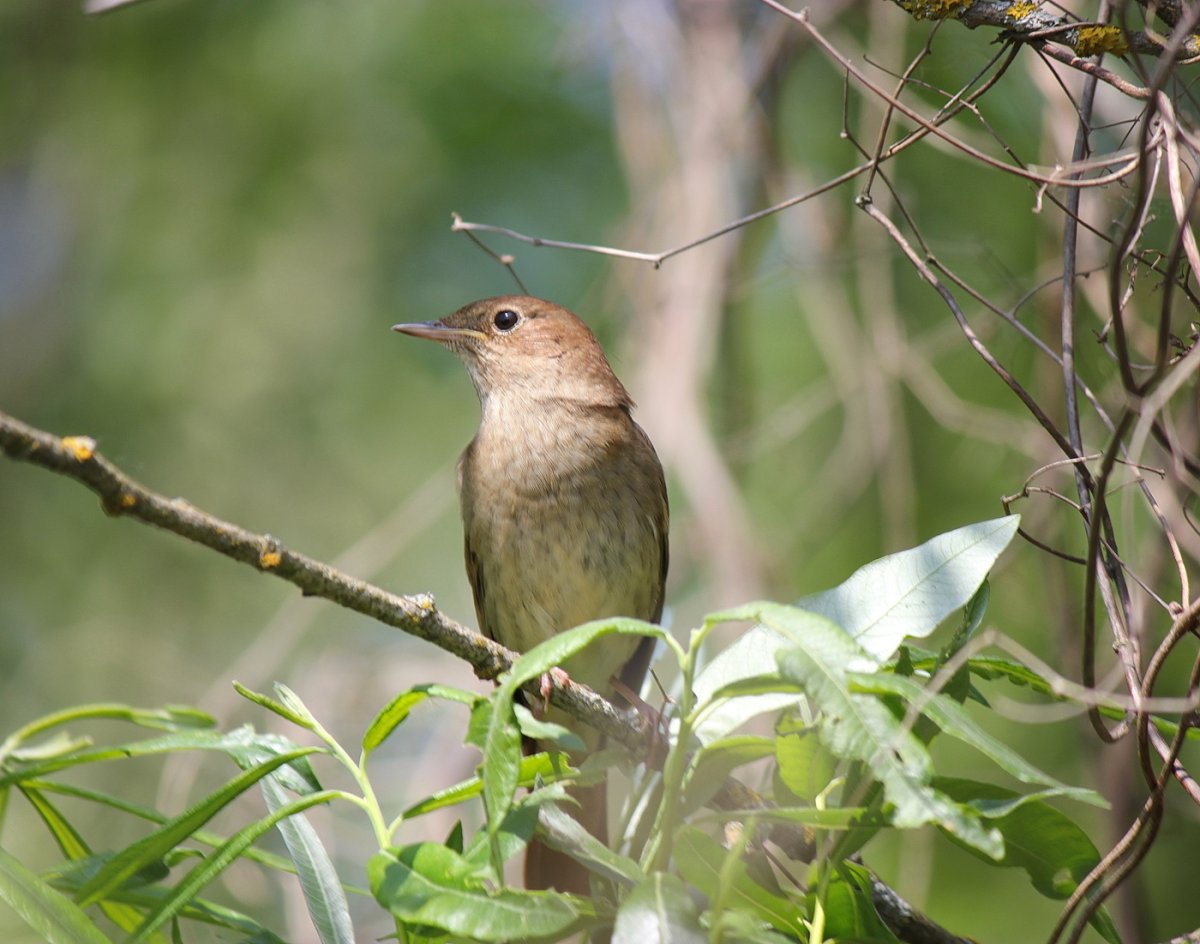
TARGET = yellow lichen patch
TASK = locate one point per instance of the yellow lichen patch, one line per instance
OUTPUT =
(1021, 9)
(1093, 40)
(934, 9)
(269, 558)
(81, 447)
(127, 500)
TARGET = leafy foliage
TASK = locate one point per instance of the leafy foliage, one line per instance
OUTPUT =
(850, 756)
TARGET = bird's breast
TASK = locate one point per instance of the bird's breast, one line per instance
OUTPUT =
(564, 526)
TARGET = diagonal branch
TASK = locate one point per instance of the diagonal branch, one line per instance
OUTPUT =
(76, 457)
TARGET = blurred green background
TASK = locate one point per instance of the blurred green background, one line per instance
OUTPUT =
(212, 211)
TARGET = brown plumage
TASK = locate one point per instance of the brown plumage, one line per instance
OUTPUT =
(563, 502)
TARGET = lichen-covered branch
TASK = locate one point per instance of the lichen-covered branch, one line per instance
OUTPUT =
(1026, 21)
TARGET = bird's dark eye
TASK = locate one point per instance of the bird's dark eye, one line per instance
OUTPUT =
(506, 320)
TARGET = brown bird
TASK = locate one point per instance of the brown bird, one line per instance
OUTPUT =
(564, 506)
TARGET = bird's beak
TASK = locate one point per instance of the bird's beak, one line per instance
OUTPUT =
(437, 331)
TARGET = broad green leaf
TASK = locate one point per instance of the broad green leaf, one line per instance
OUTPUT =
(183, 894)
(559, 831)
(714, 762)
(659, 911)
(850, 913)
(542, 730)
(153, 847)
(910, 593)
(711, 868)
(805, 765)
(743, 681)
(429, 884)
(954, 720)
(1055, 853)
(49, 913)
(904, 594)
(323, 893)
(860, 727)
(399, 708)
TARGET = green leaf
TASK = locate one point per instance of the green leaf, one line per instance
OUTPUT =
(954, 720)
(153, 847)
(805, 765)
(171, 718)
(910, 593)
(429, 884)
(544, 731)
(399, 708)
(502, 739)
(545, 766)
(1054, 852)
(77, 851)
(562, 832)
(323, 893)
(240, 739)
(901, 595)
(185, 892)
(836, 817)
(659, 911)
(724, 878)
(850, 913)
(299, 718)
(203, 837)
(860, 727)
(50, 914)
(714, 762)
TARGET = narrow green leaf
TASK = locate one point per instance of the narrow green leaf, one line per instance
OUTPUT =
(323, 893)
(154, 846)
(544, 731)
(533, 767)
(399, 708)
(184, 893)
(50, 914)
(77, 850)
(266, 701)
(838, 817)
(293, 703)
(659, 911)
(229, 742)
(280, 863)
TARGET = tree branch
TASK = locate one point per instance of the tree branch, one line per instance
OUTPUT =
(76, 457)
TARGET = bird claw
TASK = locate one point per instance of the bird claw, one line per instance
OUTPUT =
(549, 679)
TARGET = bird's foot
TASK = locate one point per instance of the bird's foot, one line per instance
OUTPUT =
(554, 677)
(656, 721)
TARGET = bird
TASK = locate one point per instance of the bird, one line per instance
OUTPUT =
(564, 508)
